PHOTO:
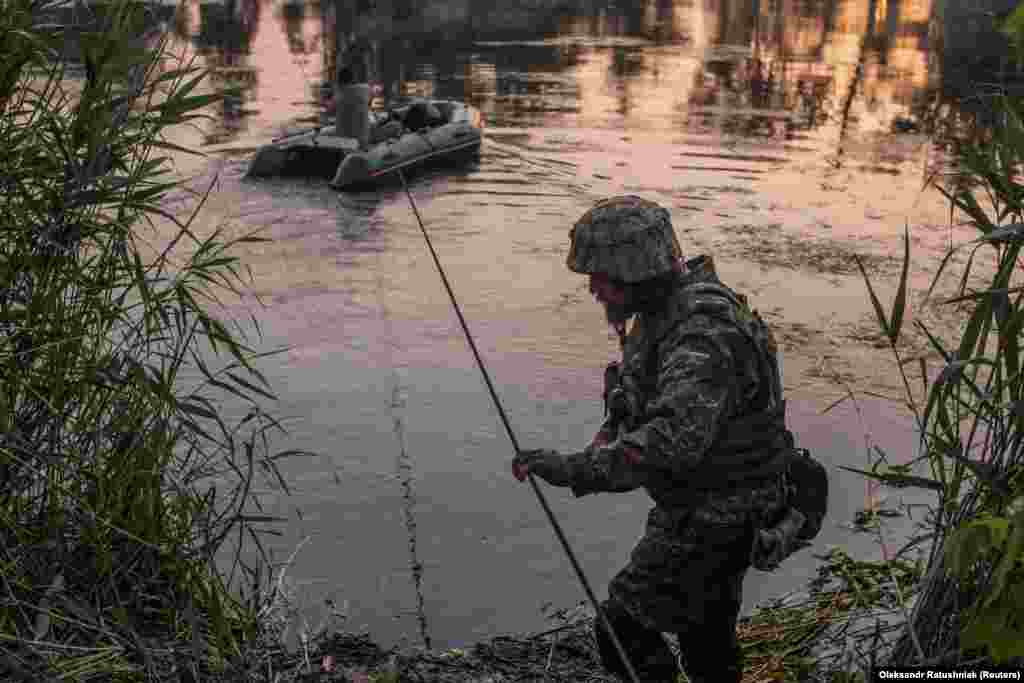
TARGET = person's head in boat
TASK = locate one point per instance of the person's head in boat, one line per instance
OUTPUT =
(352, 93)
(422, 115)
(354, 64)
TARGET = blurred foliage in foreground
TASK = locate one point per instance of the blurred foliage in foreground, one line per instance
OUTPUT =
(970, 416)
(119, 489)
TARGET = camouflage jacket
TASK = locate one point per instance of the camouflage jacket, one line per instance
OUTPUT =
(707, 376)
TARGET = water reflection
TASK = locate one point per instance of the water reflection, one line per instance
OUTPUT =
(291, 17)
(751, 68)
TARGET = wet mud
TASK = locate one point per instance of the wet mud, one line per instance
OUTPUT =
(772, 247)
(566, 653)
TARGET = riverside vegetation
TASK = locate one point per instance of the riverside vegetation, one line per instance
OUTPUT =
(121, 491)
(970, 415)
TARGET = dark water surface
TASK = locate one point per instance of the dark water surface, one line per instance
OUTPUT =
(782, 167)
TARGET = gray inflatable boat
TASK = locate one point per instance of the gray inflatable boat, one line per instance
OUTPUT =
(404, 137)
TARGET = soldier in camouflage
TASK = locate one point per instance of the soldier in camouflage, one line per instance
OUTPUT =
(696, 417)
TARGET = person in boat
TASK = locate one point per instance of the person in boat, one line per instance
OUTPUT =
(352, 92)
(696, 417)
(354, 63)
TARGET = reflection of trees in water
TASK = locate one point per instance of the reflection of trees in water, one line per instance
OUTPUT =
(759, 83)
(793, 39)
(736, 21)
(651, 19)
(246, 15)
(224, 39)
(660, 26)
(754, 126)
(794, 94)
(531, 78)
(350, 27)
(812, 93)
(225, 27)
(292, 14)
(236, 85)
(186, 19)
(801, 59)
(627, 62)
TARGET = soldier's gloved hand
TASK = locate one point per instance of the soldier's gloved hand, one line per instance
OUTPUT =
(547, 464)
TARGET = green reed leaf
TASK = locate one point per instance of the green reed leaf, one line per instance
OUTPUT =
(879, 313)
(976, 327)
(900, 302)
(1011, 555)
(897, 479)
(976, 296)
(251, 387)
(966, 202)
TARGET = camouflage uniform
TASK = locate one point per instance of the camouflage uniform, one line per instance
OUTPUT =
(701, 375)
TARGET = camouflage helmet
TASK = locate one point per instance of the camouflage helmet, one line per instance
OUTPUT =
(626, 238)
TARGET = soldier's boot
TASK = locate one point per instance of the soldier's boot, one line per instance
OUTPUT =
(709, 661)
(727, 674)
(646, 649)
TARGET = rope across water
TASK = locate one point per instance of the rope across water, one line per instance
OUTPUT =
(515, 445)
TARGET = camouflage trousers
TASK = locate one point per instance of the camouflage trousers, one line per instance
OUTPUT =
(685, 576)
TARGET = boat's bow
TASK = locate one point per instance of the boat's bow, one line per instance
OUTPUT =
(321, 144)
(447, 131)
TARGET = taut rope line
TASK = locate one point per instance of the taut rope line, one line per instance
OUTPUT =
(515, 444)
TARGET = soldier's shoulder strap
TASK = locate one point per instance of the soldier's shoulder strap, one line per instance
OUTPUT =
(718, 301)
(707, 298)
(712, 298)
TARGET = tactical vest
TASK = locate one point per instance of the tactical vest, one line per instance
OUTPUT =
(751, 447)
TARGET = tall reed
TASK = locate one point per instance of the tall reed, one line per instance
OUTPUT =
(970, 413)
(119, 489)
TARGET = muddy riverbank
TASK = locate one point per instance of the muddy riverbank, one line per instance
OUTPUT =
(799, 636)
